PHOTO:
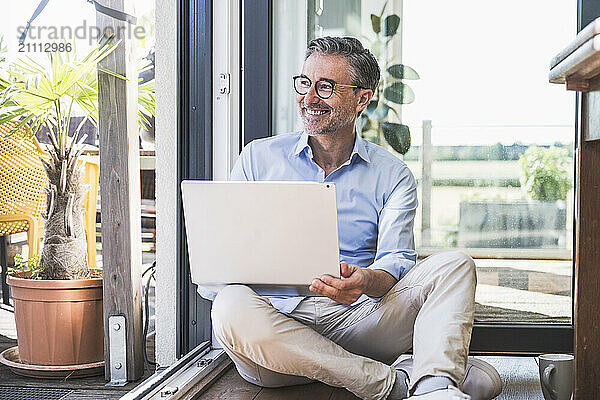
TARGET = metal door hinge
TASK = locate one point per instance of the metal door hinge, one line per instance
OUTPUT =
(224, 83)
(318, 7)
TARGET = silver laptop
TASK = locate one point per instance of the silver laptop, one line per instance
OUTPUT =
(275, 237)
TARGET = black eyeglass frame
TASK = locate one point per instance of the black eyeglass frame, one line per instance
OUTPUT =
(330, 81)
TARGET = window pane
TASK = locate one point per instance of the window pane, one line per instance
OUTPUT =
(492, 140)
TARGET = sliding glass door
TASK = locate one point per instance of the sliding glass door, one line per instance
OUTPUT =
(491, 141)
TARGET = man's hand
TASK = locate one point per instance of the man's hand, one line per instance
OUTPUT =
(355, 282)
(346, 290)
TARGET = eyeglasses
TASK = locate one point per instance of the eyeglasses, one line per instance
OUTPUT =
(323, 87)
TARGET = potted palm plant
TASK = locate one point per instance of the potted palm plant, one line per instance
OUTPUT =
(65, 299)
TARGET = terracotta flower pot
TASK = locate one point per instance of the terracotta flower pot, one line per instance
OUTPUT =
(59, 322)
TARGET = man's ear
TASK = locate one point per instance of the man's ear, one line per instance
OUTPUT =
(365, 96)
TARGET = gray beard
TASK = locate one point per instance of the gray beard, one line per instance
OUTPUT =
(319, 133)
(330, 128)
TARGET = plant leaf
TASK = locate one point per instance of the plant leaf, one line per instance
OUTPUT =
(371, 106)
(397, 136)
(35, 94)
(402, 71)
(111, 73)
(376, 23)
(363, 123)
(399, 93)
(390, 25)
(381, 112)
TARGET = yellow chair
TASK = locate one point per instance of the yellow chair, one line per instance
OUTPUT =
(23, 183)
(91, 176)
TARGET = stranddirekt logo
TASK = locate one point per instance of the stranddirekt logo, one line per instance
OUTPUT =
(43, 38)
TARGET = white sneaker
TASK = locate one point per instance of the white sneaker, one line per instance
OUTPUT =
(450, 393)
(482, 381)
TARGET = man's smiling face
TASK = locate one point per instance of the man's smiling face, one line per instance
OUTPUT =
(327, 116)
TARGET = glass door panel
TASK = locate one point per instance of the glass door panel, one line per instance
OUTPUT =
(491, 141)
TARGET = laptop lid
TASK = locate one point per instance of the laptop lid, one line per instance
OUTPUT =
(261, 233)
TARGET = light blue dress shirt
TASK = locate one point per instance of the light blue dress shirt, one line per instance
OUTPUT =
(376, 201)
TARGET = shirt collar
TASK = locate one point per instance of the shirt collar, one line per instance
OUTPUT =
(359, 147)
(301, 144)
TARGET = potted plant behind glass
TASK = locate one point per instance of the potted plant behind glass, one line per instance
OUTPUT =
(375, 123)
(59, 315)
(546, 173)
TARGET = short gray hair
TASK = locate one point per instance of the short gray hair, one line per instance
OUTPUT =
(364, 68)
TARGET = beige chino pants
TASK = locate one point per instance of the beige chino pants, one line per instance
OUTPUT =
(429, 310)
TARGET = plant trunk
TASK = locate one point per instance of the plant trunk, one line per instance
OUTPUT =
(64, 254)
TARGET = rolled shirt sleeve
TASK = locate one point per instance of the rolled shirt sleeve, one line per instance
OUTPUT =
(395, 240)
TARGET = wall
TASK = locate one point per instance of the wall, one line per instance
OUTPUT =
(166, 181)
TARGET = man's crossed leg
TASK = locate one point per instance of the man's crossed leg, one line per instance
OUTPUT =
(429, 310)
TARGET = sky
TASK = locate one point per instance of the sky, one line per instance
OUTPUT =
(484, 70)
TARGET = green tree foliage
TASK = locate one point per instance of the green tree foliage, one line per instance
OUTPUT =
(546, 173)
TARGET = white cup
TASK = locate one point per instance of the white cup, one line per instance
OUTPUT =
(556, 376)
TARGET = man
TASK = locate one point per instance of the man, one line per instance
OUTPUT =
(384, 304)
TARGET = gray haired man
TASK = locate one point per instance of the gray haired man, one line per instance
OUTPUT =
(385, 302)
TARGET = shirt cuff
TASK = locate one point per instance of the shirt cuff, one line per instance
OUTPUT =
(395, 265)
